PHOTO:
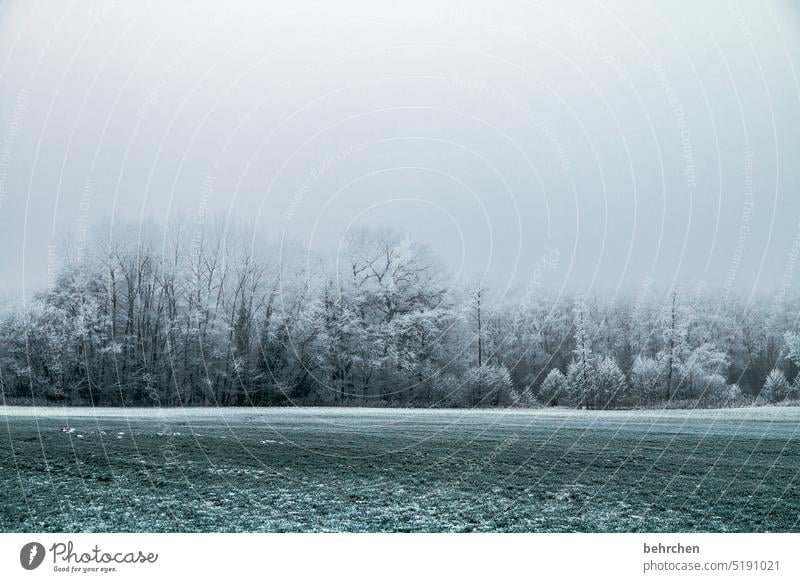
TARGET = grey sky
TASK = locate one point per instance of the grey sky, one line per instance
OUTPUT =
(639, 140)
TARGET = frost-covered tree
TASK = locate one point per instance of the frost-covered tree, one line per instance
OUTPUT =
(776, 388)
(524, 398)
(611, 385)
(792, 340)
(581, 381)
(553, 388)
(715, 391)
(696, 371)
(487, 385)
(735, 396)
(646, 377)
(673, 351)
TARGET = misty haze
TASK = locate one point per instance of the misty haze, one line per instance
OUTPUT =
(441, 266)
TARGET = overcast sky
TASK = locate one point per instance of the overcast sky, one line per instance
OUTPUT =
(582, 146)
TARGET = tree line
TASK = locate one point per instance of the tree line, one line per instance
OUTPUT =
(210, 315)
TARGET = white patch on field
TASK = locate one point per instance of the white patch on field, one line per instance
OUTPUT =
(232, 472)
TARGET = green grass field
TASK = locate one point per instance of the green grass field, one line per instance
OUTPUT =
(399, 470)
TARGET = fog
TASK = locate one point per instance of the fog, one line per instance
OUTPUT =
(586, 147)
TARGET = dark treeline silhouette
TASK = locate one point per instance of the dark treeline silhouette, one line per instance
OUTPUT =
(196, 314)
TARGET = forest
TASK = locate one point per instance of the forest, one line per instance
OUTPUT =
(196, 314)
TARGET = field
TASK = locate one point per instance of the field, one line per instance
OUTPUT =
(398, 470)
